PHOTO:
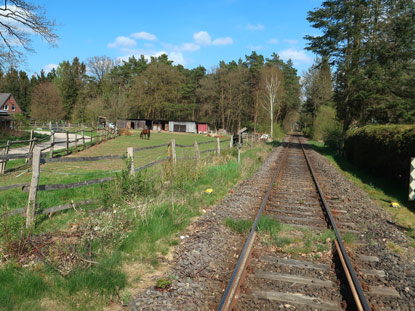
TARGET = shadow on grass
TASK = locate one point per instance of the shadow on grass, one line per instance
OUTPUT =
(274, 143)
(389, 188)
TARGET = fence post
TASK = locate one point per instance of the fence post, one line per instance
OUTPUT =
(90, 139)
(52, 142)
(218, 146)
(67, 142)
(31, 204)
(76, 141)
(3, 162)
(197, 150)
(173, 151)
(83, 139)
(130, 153)
(231, 142)
(30, 145)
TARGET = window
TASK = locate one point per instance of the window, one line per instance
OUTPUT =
(6, 107)
(13, 108)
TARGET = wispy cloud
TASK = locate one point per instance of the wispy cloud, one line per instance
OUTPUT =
(298, 56)
(144, 35)
(122, 41)
(184, 47)
(222, 41)
(291, 41)
(255, 27)
(273, 41)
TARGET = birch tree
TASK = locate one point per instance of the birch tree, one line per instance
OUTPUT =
(271, 83)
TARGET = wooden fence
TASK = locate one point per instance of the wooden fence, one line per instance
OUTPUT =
(81, 140)
(38, 158)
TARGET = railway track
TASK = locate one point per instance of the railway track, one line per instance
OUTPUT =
(267, 279)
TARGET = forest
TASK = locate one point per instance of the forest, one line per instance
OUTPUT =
(230, 96)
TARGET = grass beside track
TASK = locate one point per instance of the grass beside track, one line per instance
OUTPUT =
(383, 191)
(62, 173)
(139, 220)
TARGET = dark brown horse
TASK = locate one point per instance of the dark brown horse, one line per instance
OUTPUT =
(145, 132)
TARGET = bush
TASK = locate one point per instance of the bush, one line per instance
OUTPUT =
(383, 150)
(332, 138)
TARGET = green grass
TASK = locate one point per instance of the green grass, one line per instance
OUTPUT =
(20, 289)
(22, 135)
(381, 190)
(170, 199)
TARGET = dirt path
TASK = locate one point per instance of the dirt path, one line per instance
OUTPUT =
(60, 143)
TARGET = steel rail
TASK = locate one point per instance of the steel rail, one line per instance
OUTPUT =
(355, 286)
(231, 289)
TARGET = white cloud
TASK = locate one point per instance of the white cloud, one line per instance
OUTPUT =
(148, 45)
(184, 47)
(122, 41)
(289, 41)
(255, 27)
(189, 47)
(144, 35)
(295, 55)
(48, 68)
(222, 41)
(273, 41)
(202, 38)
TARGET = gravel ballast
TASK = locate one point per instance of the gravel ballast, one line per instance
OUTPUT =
(204, 260)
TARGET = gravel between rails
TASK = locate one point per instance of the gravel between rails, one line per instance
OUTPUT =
(204, 261)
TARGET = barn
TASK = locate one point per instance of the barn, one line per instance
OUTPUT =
(135, 124)
(202, 128)
(182, 126)
(160, 125)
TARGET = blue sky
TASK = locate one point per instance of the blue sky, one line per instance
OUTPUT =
(192, 33)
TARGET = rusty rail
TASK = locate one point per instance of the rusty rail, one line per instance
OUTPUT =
(354, 284)
(231, 290)
(230, 295)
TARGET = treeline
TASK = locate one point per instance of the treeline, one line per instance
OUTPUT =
(370, 47)
(231, 96)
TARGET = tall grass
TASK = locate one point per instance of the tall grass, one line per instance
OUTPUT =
(140, 220)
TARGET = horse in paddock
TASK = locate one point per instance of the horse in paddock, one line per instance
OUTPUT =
(145, 132)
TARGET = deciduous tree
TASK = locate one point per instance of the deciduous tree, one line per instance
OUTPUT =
(19, 20)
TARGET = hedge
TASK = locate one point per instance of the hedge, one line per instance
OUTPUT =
(383, 150)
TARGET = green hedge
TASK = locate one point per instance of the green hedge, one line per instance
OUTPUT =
(384, 150)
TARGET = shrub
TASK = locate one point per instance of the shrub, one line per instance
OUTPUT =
(383, 150)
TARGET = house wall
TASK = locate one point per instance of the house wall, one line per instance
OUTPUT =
(12, 106)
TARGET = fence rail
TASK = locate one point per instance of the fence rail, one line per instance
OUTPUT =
(100, 135)
(33, 187)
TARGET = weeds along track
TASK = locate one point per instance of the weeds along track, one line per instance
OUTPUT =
(315, 272)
